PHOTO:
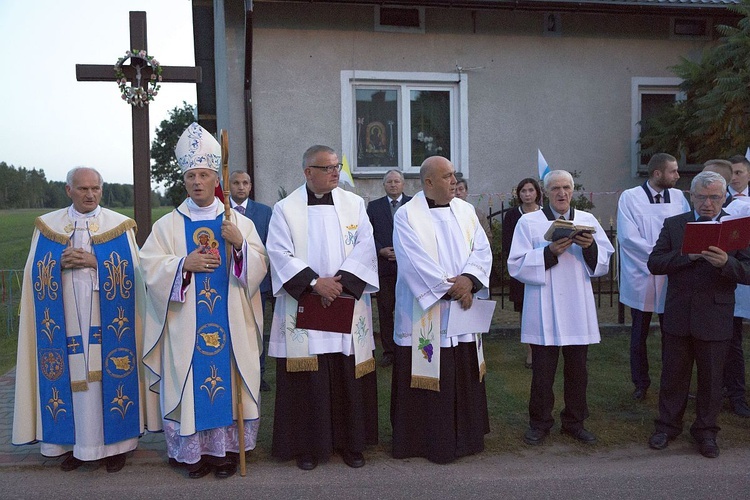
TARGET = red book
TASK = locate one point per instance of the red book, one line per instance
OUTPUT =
(337, 317)
(729, 233)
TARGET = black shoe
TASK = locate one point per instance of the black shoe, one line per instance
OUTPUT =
(70, 463)
(387, 360)
(200, 469)
(740, 408)
(639, 394)
(353, 459)
(534, 436)
(581, 435)
(115, 463)
(225, 470)
(307, 462)
(708, 448)
(658, 440)
(264, 387)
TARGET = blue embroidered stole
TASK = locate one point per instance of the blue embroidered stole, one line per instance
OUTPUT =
(212, 376)
(120, 389)
(55, 393)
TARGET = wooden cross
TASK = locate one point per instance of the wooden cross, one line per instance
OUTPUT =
(141, 142)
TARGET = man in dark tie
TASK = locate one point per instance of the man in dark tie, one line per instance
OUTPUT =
(240, 187)
(380, 213)
(697, 324)
(640, 215)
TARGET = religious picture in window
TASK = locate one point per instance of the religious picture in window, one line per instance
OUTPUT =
(430, 125)
(377, 127)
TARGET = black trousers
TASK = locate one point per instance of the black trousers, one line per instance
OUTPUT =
(734, 368)
(678, 355)
(386, 300)
(639, 329)
(575, 375)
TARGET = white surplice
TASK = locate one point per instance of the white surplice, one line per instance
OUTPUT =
(741, 207)
(558, 304)
(639, 223)
(325, 255)
(421, 277)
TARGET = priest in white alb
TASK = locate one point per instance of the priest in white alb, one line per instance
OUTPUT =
(204, 319)
(559, 311)
(79, 383)
(320, 241)
(438, 397)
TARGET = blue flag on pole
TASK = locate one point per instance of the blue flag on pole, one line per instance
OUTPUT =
(542, 164)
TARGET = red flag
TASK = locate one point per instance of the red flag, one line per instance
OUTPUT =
(219, 193)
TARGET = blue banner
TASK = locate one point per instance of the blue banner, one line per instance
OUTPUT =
(212, 368)
(120, 389)
(55, 394)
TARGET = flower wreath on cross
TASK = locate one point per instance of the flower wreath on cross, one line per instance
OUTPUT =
(135, 94)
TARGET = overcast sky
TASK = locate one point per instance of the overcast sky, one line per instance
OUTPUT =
(50, 121)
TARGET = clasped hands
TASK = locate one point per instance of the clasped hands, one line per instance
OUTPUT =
(77, 258)
(328, 289)
(461, 291)
(583, 240)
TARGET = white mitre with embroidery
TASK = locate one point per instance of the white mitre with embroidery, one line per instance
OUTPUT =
(197, 148)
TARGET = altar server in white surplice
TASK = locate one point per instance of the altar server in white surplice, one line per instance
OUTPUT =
(438, 398)
(204, 318)
(559, 312)
(640, 216)
(78, 378)
(320, 241)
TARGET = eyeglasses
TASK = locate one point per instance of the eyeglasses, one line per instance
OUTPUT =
(328, 168)
(701, 198)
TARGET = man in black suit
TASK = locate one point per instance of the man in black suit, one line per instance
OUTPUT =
(697, 318)
(381, 212)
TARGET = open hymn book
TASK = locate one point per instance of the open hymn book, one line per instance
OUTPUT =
(566, 229)
(729, 233)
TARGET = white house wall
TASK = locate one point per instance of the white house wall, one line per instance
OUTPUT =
(568, 95)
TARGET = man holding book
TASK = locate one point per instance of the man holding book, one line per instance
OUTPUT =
(698, 315)
(320, 241)
(559, 312)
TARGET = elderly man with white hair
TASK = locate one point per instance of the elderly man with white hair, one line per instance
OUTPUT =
(204, 318)
(559, 312)
(698, 316)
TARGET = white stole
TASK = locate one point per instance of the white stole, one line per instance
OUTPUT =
(297, 340)
(425, 334)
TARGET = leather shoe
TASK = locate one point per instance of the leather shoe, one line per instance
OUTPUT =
(639, 394)
(708, 448)
(200, 469)
(534, 436)
(581, 435)
(740, 408)
(225, 470)
(264, 387)
(307, 462)
(387, 360)
(353, 459)
(658, 440)
(70, 463)
(115, 463)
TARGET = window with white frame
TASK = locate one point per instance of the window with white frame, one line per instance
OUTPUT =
(396, 120)
(649, 97)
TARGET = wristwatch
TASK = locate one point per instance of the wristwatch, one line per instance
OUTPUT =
(313, 282)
